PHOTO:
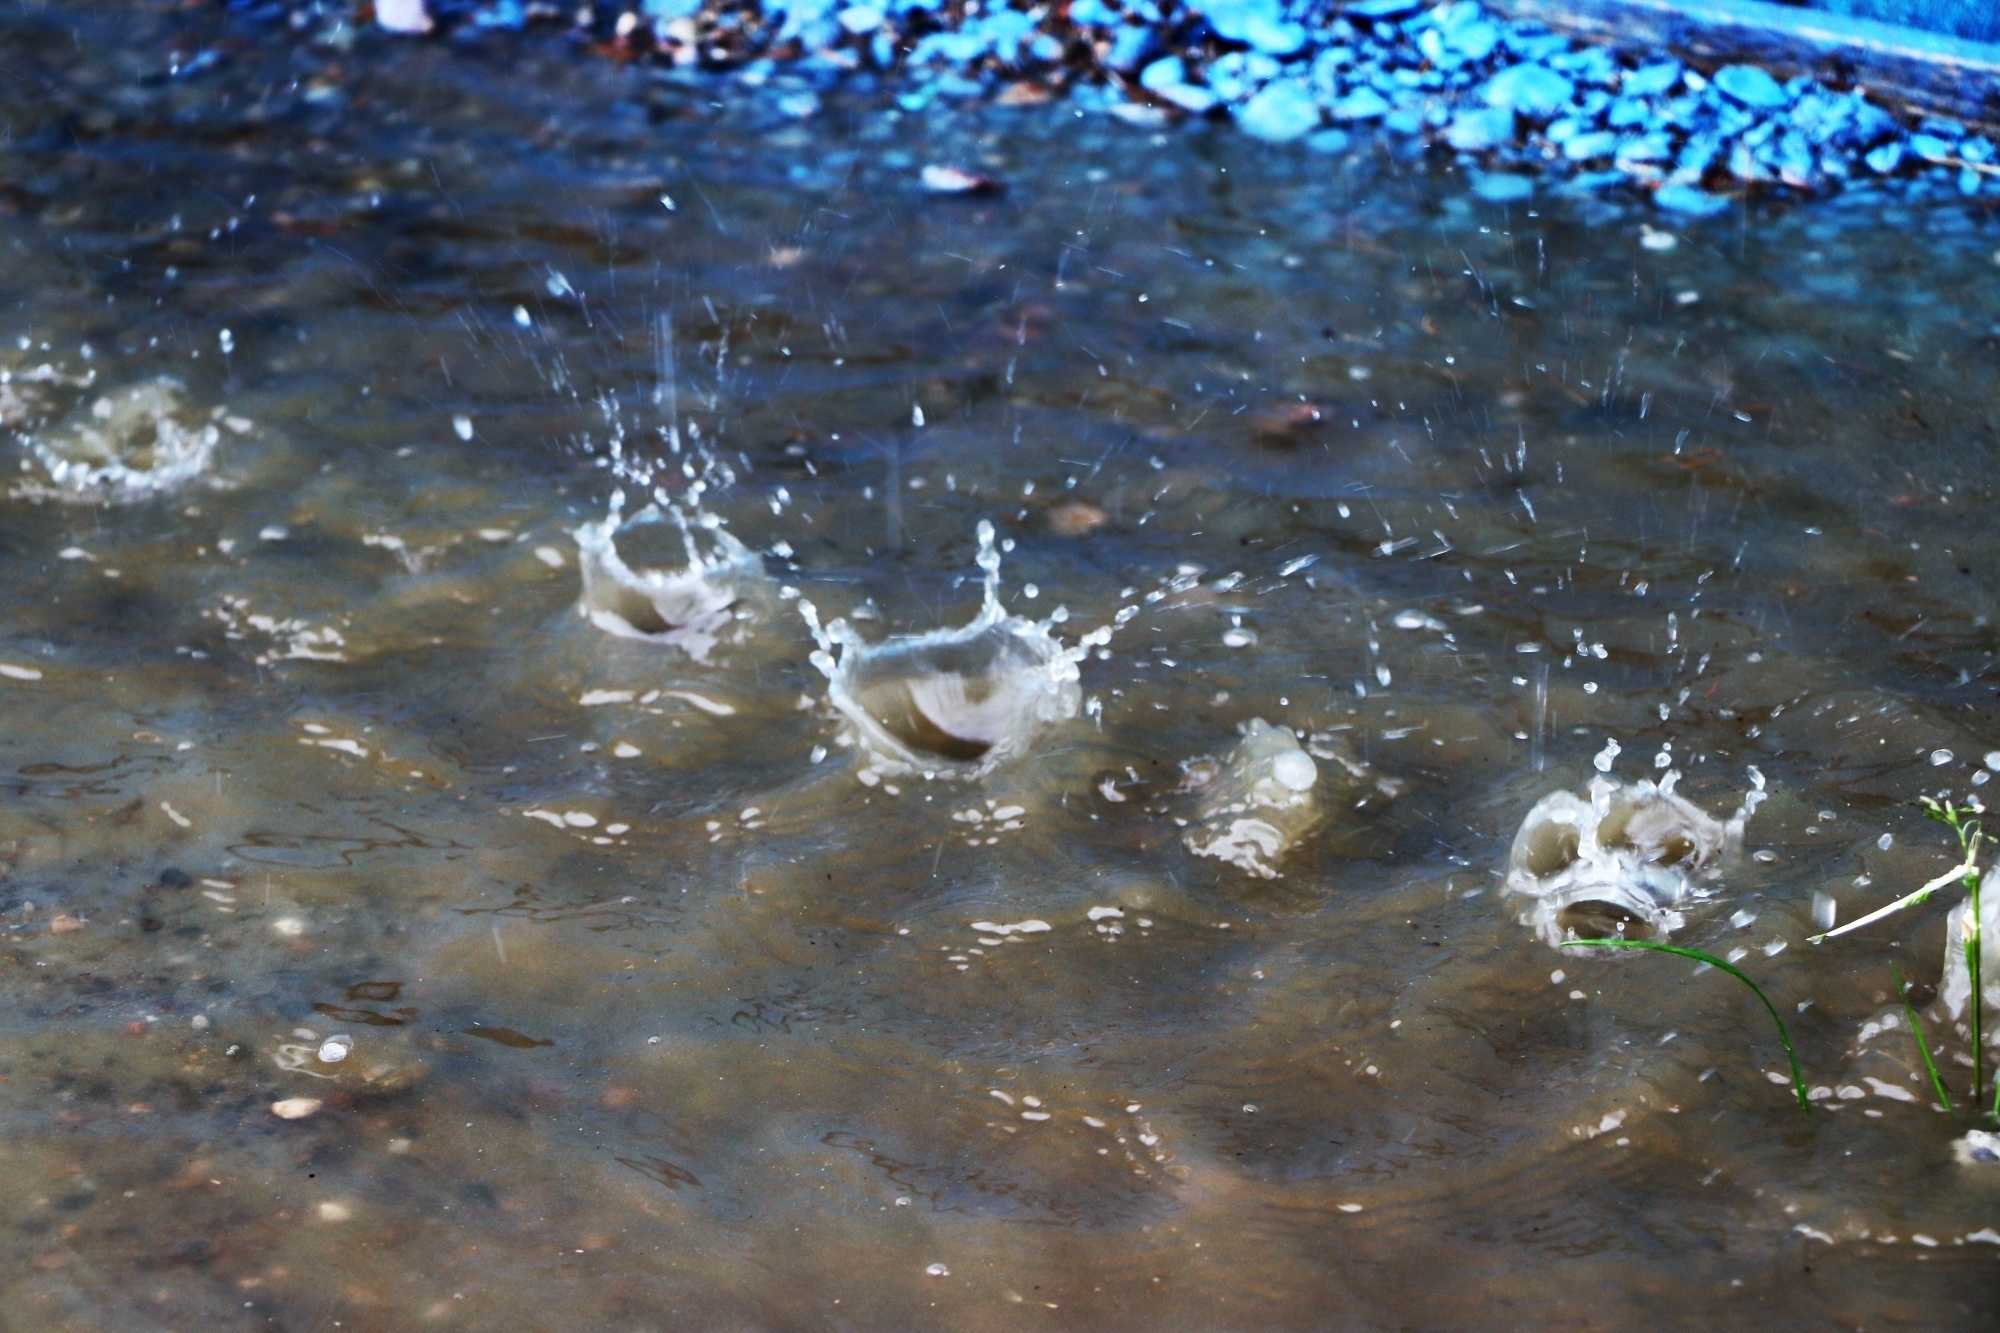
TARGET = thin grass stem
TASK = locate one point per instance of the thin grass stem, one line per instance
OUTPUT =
(1956, 873)
(1923, 1045)
(1798, 1078)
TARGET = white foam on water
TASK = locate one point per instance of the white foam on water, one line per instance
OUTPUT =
(692, 608)
(1258, 803)
(1622, 853)
(127, 446)
(951, 702)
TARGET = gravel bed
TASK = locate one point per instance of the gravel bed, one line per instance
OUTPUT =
(1523, 109)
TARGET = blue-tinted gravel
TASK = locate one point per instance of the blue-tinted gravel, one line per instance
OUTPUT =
(1525, 109)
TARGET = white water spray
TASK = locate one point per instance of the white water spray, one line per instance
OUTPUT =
(952, 702)
(123, 448)
(693, 608)
(1624, 855)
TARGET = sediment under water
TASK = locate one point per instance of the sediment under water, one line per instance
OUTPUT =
(652, 1012)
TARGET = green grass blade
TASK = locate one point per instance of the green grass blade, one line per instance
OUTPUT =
(1798, 1079)
(1923, 1046)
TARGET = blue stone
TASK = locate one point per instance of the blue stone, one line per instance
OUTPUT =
(1652, 80)
(1536, 45)
(1084, 12)
(1502, 187)
(1129, 46)
(1968, 181)
(1647, 148)
(1260, 24)
(1592, 64)
(1697, 154)
(1404, 120)
(1584, 147)
(1751, 86)
(1376, 10)
(1361, 104)
(1188, 97)
(506, 14)
(1329, 141)
(1931, 148)
(1435, 49)
(1532, 90)
(1476, 131)
(1282, 112)
(1163, 73)
(858, 19)
(801, 105)
(1235, 76)
(1687, 199)
(1562, 131)
(1627, 113)
(1475, 41)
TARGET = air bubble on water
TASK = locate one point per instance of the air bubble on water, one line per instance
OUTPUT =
(1939, 758)
(1607, 756)
(692, 607)
(335, 1048)
(125, 447)
(461, 425)
(951, 702)
(1621, 859)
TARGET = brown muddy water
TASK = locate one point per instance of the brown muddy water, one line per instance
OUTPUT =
(653, 976)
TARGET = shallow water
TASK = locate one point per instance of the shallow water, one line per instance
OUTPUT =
(659, 1014)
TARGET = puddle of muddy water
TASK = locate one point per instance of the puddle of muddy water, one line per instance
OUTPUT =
(591, 982)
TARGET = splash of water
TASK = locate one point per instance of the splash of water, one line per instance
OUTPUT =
(1622, 859)
(124, 448)
(1257, 803)
(952, 702)
(692, 608)
(1955, 988)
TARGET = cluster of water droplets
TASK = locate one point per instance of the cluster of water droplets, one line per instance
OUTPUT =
(710, 591)
(957, 701)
